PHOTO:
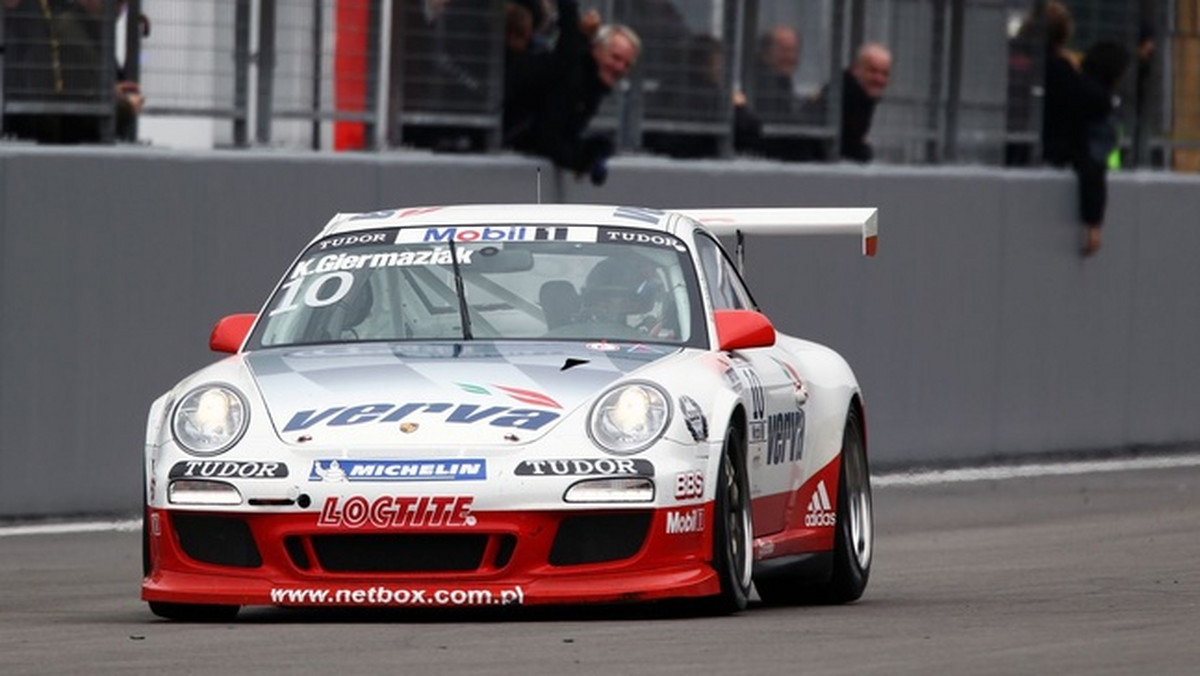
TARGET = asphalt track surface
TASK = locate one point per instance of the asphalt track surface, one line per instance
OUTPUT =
(1092, 573)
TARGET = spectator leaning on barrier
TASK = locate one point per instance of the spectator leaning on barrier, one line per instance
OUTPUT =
(552, 97)
(861, 92)
(1075, 106)
(863, 85)
(1104, 64)
(773, 99)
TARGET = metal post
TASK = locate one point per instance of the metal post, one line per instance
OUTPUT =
(858, 25)
(937, 67)
(318, 25)
(733, 34)
(396, 59)
(108, 72)
(1144, 104)
(495, 77)
(954, 80)
(1039, 77)
(3, 49)
(266, 70)
(833, 112)
(371, 125)
(383, 81)
(1166, 116)
(241, 73)
(133, 49)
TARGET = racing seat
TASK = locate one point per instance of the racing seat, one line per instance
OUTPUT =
(560, 302)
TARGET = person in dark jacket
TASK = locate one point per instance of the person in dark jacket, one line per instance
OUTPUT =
(862, 88)
(552, 97)
(1074, 104)
(863, 84)
(779, 57)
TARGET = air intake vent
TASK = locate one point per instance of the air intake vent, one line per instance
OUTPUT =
(219, 540)
(597, 538)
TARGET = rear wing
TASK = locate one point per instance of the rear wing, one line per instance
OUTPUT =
(791, 221)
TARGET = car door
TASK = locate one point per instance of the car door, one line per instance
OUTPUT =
(775, 418)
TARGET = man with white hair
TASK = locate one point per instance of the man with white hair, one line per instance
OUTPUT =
(552, 97)
(862, 88)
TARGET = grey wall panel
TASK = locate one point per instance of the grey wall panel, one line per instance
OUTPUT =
(941, 255)
(1063, 324)
(977, 331)
(115, 268)
(1165, 324)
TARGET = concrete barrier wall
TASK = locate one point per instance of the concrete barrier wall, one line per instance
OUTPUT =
(977, 332)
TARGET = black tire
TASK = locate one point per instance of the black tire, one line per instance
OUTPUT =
(732, 530)
(146, 563)
(853, 539)
(194, 612)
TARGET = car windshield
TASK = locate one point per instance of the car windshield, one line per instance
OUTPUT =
(514, 281)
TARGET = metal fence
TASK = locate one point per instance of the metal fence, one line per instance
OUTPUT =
(966, 83)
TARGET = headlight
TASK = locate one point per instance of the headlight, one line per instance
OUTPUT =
(629, 418)
(210, 419)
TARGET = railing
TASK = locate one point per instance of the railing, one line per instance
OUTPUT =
(429, 74)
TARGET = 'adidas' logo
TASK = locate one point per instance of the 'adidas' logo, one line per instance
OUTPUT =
(820, 512)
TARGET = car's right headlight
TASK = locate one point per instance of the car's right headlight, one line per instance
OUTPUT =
(210, 419)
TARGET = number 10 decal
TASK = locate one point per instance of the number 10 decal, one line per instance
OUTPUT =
(313, 296)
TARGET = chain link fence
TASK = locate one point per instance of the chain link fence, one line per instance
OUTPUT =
(717, 78)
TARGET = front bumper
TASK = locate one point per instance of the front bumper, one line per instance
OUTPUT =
(526, 558)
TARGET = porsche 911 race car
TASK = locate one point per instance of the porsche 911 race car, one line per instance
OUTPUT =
(489, 405)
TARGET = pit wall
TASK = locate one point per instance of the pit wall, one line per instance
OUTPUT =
(977, 332)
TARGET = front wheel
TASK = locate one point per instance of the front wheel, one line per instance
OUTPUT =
(732, 534)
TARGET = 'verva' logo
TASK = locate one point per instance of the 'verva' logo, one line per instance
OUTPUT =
(462, 414)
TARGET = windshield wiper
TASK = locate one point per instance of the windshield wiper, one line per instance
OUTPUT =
(463, 312)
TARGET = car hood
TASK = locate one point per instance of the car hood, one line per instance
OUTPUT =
(465, 393)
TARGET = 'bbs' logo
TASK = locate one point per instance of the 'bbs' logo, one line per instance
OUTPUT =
(689, 485)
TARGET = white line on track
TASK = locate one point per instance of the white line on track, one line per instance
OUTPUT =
(73, 527)
(995, 473)
(914, 478)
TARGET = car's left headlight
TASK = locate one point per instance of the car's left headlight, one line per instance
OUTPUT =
(629, 418)
(210, 419)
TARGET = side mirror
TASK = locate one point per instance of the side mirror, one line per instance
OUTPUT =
(230, 332)
(742, 329)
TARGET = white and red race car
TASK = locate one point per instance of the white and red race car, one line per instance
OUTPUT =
(512, 404)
